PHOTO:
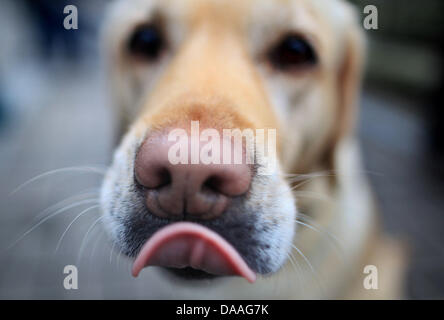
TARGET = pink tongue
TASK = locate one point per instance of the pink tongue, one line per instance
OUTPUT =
(186, 244)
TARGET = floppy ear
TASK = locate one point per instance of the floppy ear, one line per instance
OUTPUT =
(349, 78)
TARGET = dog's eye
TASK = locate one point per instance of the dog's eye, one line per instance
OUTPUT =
(146, 42)
(292, 52)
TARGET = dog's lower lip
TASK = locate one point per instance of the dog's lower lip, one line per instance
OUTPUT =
(186, 244)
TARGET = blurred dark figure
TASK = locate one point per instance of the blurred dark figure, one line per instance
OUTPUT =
(47, 16)
(406, 58)
(436, 114)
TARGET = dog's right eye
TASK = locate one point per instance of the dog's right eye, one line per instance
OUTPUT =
(292, 53)
(146, 42)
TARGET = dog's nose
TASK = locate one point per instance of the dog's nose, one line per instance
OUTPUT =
(181, 191)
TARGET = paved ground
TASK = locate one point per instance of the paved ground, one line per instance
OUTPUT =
(68, 125)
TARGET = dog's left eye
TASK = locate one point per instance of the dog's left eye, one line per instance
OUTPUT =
(146, 42)
(292, 52)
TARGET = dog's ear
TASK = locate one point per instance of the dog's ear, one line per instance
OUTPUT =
(349, 78)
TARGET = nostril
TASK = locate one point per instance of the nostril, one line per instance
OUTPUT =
(213, 183)
(155, 178)
(163, 178)
(230, 182)
(152, 169)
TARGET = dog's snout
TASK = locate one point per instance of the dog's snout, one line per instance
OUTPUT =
(186, 190)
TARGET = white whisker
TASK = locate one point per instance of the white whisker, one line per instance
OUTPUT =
(68, 200)
(71, 223)
(49, 217)
(67, 169)
(305, 258)
(85, 238)
(310, 176)
(318, 228)
(94, 246)
(315, 274)
(311, 194)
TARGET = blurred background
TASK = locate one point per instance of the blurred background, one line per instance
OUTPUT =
(53, 114)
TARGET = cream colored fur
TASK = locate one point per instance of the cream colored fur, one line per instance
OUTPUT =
(215, 58)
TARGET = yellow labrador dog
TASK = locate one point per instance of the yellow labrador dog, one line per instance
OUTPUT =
(303, 229)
